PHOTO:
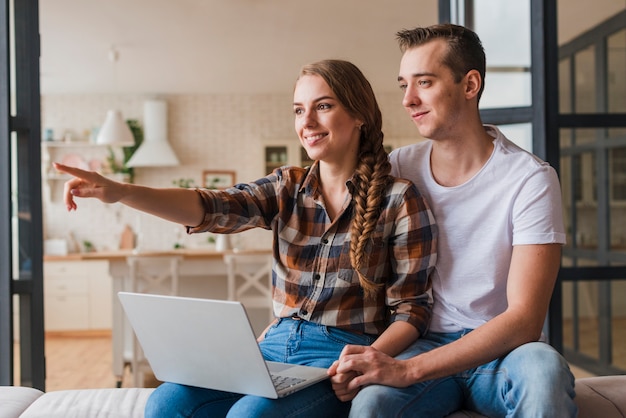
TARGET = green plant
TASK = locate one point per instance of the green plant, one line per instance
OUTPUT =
(213, 184)
(184, 183)
(128, 152)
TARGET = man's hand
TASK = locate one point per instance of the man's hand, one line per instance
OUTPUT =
(359, 366)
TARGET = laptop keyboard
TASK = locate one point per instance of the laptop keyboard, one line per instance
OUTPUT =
(283, 382)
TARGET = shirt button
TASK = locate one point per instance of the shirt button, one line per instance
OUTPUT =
(304, 312)
(324, 240)
(316, 277)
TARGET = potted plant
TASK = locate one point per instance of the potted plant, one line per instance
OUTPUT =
(128, 152)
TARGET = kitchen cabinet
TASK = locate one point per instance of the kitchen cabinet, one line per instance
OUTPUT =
(277, 153)
(77, 295)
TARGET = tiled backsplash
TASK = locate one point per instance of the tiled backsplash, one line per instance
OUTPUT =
(207, 132)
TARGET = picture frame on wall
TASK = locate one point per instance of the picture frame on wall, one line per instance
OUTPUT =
(212, 179)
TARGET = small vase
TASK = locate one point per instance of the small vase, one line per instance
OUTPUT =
(222, 242)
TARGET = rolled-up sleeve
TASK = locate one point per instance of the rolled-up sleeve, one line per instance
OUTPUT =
(414, 249)
(239, 208)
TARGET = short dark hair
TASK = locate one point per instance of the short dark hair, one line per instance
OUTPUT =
(465, 50)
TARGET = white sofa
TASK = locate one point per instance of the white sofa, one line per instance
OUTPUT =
(595, 396)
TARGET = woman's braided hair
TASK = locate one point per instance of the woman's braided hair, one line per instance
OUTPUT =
(371, 177)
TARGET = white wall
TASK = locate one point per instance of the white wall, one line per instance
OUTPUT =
(207, 132)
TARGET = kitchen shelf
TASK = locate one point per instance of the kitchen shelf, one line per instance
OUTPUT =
(82, 154)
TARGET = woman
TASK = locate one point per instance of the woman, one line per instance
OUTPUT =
(353, 247)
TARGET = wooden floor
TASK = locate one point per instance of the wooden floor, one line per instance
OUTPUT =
(83, 360)
(80, 361)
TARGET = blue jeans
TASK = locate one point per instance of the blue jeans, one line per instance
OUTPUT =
(533, 380)
(289, 341)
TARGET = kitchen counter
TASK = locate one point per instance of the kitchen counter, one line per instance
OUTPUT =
(202, 272)
(185, 253)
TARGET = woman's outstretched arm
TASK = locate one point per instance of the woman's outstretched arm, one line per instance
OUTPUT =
(179, 205)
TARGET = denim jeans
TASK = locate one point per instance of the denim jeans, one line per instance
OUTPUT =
(289, 341)
(533, 380)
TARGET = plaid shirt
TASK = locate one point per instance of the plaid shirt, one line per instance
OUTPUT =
(312, 273)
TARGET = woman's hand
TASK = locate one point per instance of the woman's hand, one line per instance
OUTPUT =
(362, 366)
(340, 383)
(89, 184)
(173, 204)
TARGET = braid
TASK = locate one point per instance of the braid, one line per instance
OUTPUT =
(371, 179)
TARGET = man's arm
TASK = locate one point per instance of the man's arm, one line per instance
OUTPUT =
(531, 279)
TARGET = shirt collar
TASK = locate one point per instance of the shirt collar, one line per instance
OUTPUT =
(311, 183)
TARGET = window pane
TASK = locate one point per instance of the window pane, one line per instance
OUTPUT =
(580, 317)
(618, 323)
(520, 133)
(585, 136)
(617, 184)
(580, 182)
(565, 138)
(585, 81)
(492, 18)
(616, 67)
(567, 189)
(565, 91)
(508, 81)
(617, 179)
(506, 89)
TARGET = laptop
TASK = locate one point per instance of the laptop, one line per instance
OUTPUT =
(209, 343)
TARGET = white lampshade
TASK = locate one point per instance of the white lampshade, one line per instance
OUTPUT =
(154, 151)
(115, 131)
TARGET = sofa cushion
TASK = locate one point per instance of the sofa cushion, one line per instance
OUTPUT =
(102, 403)
(602, 396)
(15, 400)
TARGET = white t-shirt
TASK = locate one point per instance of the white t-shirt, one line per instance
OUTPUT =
(514, 199)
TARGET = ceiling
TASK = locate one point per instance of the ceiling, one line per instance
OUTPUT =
(235, 46)
(216, 46)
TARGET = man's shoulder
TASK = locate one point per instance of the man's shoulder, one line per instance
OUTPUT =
(512, 155)
(409, 153)
(418, 146)
(514, 158)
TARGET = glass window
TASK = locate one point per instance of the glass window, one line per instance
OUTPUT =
(585, 81)
(579, 193)
(617, 179)
(520, 133)
(508, 80)
(580, 317)
(617, 205)
(618, 323)
(565, 91)
(616, 68)
(567, 191)
(566, 138)
(586, 136)
(506, 88)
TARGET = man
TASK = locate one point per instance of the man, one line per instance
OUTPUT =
(501, 230)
